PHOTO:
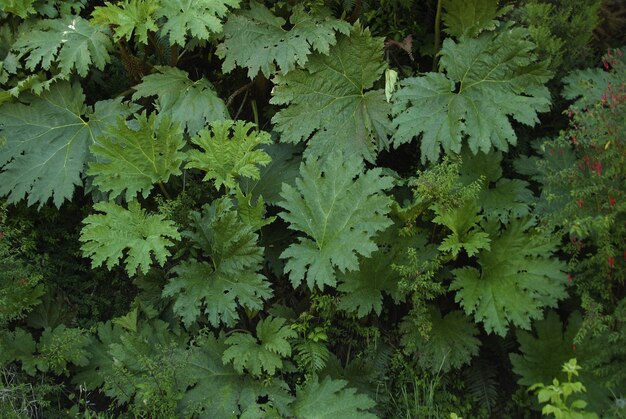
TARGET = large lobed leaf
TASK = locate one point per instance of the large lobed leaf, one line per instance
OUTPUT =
(339, 208)
(129, 234)
(70, 42)
(127, 18)
(47, 142)
(263, 353)
(488, 80)
(198, 18)
(256, 39)
(134, 159)
(229, 151)
(231, 279)
(330, 102)
(192, 103)
(516, 281)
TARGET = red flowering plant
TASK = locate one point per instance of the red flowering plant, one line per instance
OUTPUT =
(583, 178)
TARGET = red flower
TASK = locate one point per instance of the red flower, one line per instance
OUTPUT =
(598, 168)
(612, 201)
(580, 203)
(611, 262)
(570, 278)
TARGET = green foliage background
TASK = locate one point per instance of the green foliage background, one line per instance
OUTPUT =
(311, 208)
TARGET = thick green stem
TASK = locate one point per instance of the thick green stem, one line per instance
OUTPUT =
(162, 186)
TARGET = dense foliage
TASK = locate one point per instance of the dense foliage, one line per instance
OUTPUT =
(312, 208)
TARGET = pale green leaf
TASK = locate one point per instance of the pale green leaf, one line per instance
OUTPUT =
(258, 40)
(229, 151)
(134, 159)
(197, 18)
(331, 102)
(192, 103)
(339, 208)
(130, 234)
(128, 17)
(469, 17)
(487, 80)
(21, 8)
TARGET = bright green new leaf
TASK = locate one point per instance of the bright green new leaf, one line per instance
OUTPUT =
(47, 142)
(129, 234)
(229, 152)
(256, 39)
(451, 342)
(263, 353)
(71, 43)
(192, 103)
(516, 281)
(330, 399)
(487, 80)
(330, 102)
(134, 159)
(339, 208)
(463, 222)
(198, 18)
(231, 279)
(469, 17)
(21, 8)
(128, 17)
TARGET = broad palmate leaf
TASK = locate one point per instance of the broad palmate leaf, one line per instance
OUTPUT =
(256, 39)
(128, 17)
(47, 142)
(192, 103)
(487, 80)
(229, 152)
(198, 18)
(331, 102)
(339, 208)
(263, 353)
(70, 42)
(129, 234)
(134, 159)
(451, 342)
(469, 17)
(516, 281)
(231, 279)
(330, 399)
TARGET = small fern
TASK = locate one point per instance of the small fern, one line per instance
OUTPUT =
(481, 382)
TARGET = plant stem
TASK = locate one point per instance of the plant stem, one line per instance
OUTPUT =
(437, 35)
(167, 195)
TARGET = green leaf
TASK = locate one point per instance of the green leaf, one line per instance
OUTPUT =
(469, 17)
(463, 222)
(192, 103)
(198, 18)
(487, 80)
(516, 281)
(128, 17)
(263, 353)
(331, 101)
(62, 346)
(100, 365)
(231, 279)
(543, 354)
(129, 321)
(70, 42)
(229, 152)
(451, 342)
(509, 198)
(283, 168)
(362, 290)
(339, 208)
(134, 159)
(21, 8)
(256, 39)
(48, 139)
(330, 399)
(128, 234)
